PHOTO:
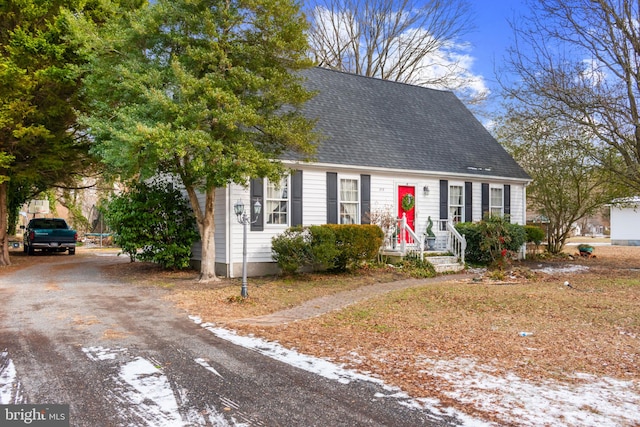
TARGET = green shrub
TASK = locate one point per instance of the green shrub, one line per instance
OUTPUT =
(355, 243)
(329, 246)
(323, 247)
(417, 267)
(491, 241)
(153, 222)
(291, 249)
(473, 253)
(535, 234)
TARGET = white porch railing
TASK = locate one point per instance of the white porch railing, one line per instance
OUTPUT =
(405, 240)
(456, 242)
(402, 239)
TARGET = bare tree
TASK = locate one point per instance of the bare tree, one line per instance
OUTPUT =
(567, 184)
(402, 40)
(580, 61)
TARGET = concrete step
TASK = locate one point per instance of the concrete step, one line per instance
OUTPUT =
(445, 264)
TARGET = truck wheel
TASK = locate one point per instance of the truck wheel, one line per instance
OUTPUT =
(24, 248)
(30, 250)
(72, 251)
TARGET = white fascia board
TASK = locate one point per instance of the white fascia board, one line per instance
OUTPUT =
(428, 174)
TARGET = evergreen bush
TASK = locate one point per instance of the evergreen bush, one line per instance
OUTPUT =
(153, 222)
(535, 234)
(328, 246)
(491, 241)
(291, 250)
(355, 243)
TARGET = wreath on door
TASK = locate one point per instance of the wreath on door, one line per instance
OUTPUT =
(408, 202)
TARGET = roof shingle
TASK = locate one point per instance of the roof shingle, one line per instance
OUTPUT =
(377, 123)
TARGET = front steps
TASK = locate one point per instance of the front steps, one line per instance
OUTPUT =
(441, 263)
(444, 263)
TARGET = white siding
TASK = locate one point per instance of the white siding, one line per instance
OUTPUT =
(518, 211)
(384, 193)
(624, 223)
(258, 242)
(314, 197)
(426, 205)
(476, 196)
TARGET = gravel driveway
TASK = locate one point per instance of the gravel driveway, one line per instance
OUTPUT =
(120, 355)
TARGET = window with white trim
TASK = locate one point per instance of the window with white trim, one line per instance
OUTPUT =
(456, 203)
(349, 202)
(496, 201)
(277, 202)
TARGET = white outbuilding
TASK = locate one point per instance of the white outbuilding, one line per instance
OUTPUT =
(625, 221)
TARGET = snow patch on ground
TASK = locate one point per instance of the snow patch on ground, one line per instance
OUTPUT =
(144, 393)
(9, 385)
(332, 371)
(208, 367)
(562, 269)
(275, 351)
(590, 401)
(150, 392)
(102, 353)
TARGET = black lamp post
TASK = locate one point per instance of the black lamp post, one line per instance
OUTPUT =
(245, 219)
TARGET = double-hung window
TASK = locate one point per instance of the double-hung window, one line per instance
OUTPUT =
(349, 203)
(496, 201)
(277, 202)
(456, 203)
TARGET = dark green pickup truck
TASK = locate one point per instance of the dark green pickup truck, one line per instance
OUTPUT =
(49, 234)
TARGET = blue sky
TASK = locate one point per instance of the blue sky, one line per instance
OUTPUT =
(489, 41)
(493, 34)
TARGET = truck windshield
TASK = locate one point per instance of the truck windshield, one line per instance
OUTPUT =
(48, 223)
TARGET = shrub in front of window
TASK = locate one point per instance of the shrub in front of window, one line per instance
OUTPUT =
(329, 246)
(323, 247)
(356, 243)
(300, 247)
(490, 242)
(291, 250)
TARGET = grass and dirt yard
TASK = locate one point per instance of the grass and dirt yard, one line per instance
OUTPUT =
(424, 339)
(452, 340)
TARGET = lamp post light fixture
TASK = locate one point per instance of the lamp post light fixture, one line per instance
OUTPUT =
(244, 218)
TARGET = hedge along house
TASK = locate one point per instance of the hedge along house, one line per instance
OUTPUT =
(384, 143)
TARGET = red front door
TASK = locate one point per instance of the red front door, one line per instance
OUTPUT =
(407, 206)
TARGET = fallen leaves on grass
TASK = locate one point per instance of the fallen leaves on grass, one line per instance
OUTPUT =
(591, 328)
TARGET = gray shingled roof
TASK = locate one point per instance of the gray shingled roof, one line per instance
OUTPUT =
(377, 123)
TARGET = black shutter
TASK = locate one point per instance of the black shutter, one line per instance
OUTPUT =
(468, 202)
(365, 199)
(485, 200)
(296, 198)
(444, 199)
(332, 198)
(507, 202)
(257, 195)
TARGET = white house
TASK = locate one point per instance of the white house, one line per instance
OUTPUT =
(382, 141)
(624, 223)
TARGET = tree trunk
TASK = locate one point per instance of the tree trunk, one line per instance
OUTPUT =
(4, 237)
(207, 228)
